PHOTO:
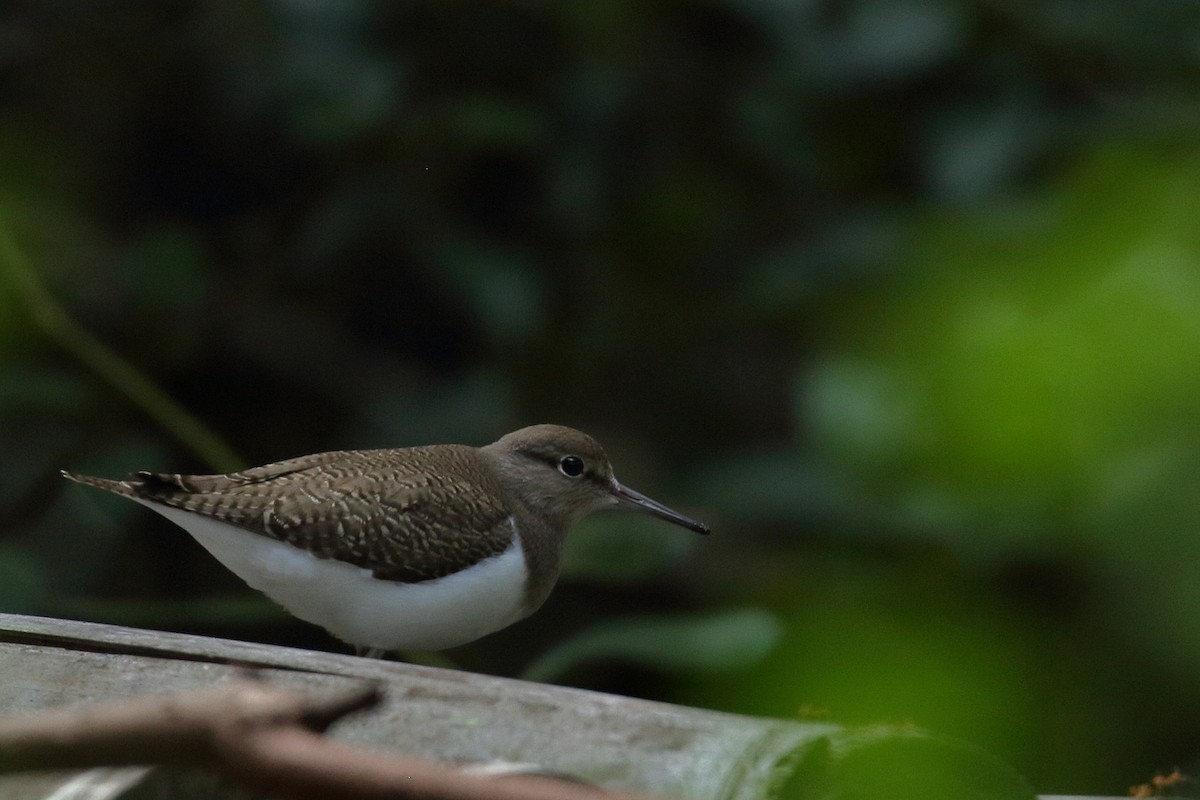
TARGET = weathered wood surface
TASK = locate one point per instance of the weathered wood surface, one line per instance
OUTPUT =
(612, 741)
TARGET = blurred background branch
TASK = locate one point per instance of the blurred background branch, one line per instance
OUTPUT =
(57, 326)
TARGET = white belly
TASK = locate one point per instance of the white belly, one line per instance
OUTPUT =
(355, 606)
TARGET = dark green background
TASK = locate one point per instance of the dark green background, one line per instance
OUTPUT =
(903, 298)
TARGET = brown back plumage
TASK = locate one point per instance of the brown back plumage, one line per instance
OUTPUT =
(409, 515)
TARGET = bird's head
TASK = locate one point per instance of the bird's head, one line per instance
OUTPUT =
(565, 475)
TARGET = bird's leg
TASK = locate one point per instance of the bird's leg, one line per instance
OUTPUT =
(369, 652)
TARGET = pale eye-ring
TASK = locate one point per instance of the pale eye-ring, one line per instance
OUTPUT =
(571, 466)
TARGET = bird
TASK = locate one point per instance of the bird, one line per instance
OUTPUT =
(400, 549)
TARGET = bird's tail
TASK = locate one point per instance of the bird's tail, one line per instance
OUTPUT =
(123, 488)
(141, 485)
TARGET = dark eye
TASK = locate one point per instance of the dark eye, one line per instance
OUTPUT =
(571, 466)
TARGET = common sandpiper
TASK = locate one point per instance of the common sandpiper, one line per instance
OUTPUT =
(416, 548)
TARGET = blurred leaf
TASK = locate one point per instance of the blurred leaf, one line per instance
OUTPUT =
(622, 548)
(901, 763)
(1145, 519)
(892, 638)
(56, 324)
(889, 39)
(1071, 344)
(973, 153)
(336, 89)
(728, 640)
(876, 412)
(500, 289)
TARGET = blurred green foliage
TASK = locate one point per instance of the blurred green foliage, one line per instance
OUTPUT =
(729, 641)
(900, 296)
(903, 764)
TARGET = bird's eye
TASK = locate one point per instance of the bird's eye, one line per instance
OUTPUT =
(571, 466)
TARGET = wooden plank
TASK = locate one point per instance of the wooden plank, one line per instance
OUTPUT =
(457, 716)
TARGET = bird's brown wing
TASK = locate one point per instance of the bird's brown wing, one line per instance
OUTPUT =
(385, 510)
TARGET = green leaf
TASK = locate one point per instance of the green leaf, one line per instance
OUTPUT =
(499, 288)
(728, 640)
(1068, 348)
(901, 763)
